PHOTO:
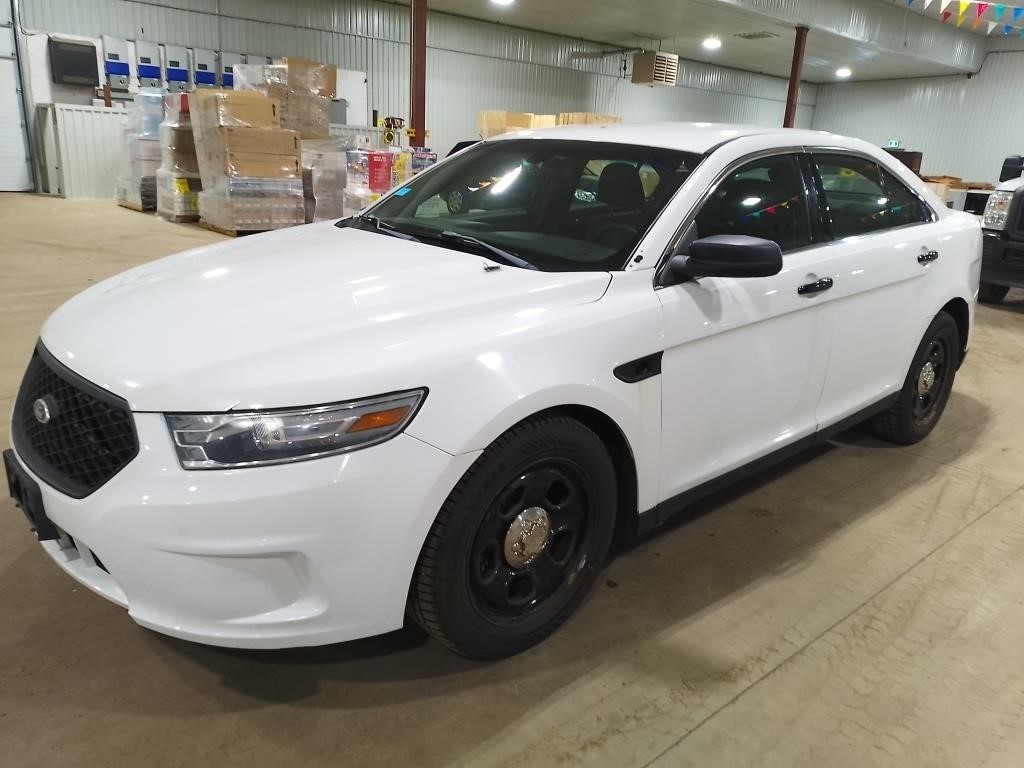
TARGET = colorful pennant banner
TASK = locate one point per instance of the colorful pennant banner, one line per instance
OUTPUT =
(988, 14)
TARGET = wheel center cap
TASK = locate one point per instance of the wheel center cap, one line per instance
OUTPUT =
(926, 379)
(527, 536)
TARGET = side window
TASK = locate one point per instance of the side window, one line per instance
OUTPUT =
(764, 198)
(855, 199)
(904, 206)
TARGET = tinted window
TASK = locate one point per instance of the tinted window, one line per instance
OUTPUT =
(764, 198)
(855, 199)
(561, 205)
(904, 206)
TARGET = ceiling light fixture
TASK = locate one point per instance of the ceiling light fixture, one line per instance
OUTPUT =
(843, 72)
(503, 2)
(712, 43)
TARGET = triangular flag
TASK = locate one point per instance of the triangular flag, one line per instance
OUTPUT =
(927, 3)
(1007, 29)
(964, 5)
(1017, 13)
(960, 20)
(991, 25)
(945, 5)
(946, 15)
(910, 2)
(982, 7)
(976, 23)
(1000, 10)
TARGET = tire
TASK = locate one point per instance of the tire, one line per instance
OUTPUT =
(991, 293)
(927, 386)
(455, 200)
(494, 579)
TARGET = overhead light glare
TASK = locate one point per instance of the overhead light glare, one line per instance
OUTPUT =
(712, 43)
(503, 2)
(843, 72)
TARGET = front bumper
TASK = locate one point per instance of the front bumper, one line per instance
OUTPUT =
(308, 553)
(1002, 260)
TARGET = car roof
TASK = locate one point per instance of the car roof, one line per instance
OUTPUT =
(687, 137)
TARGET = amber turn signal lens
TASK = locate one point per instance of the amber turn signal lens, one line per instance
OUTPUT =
(379, 419)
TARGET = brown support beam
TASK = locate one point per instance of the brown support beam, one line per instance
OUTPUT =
(418, 73)
(794, 76)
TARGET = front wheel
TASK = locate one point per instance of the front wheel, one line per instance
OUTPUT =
(927, 386)
(519, 542)
(991, 293)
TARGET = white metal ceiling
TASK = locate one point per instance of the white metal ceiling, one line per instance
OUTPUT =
(877, 39)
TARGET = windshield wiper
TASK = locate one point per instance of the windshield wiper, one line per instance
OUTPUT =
(381, 226)
(506, 256)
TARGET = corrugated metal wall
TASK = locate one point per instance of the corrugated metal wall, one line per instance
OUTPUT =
(471, 65)
(964, 127)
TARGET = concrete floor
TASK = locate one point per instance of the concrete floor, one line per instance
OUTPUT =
(862, 606)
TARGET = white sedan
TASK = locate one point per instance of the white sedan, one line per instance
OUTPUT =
(303, 437)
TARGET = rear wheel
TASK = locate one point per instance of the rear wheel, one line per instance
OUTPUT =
(927, 386)
(991, 293)
(519, 542)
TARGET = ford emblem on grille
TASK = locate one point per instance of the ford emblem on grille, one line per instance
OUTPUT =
(41, 410)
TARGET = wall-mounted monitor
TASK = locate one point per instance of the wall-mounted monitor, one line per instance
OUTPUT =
(73, 63)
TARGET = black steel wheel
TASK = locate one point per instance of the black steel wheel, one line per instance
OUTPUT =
(927, 386)
(991, 293)
(531, 540)
(518, 543)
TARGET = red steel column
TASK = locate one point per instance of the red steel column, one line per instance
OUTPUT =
(418, 73)
(794, 76)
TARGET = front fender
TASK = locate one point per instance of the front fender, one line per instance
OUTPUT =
(476, 399)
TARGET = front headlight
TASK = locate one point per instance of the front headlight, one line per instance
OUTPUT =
(257, 438)
(996, 210)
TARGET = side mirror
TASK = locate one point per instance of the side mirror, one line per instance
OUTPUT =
(727, 256)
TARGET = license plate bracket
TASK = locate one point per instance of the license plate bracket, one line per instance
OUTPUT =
(26, 494)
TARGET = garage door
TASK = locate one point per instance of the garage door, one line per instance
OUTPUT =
(15, 173)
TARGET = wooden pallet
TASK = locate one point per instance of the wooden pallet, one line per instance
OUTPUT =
(179, 219)
(229, 232)
(133, 207)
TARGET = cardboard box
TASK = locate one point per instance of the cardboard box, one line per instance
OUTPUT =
(258, 165)
(586, 118)
(494, 122)
(311, 75)
(266, 141)
(234, 108)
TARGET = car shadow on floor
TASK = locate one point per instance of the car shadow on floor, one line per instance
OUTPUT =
(753, 531)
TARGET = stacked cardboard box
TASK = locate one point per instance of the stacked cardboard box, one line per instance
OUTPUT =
(586, 118)
(177, 180)
(249, 165)
(136, 186)
(303, 89)
(494, 122)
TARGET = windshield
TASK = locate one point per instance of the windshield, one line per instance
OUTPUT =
(560, 206)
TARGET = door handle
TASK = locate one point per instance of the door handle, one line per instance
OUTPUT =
(816, 287)
(924, 258)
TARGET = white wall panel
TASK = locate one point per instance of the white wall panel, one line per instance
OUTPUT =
(472, 65)
(964, 127)
(92, 173)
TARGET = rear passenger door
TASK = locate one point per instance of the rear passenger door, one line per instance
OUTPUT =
(880, 250)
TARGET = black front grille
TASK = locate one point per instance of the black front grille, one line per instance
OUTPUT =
(72, 433)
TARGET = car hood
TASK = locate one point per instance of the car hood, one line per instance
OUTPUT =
(1010, 185)
(309, 315)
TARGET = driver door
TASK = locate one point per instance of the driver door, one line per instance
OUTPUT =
(745, 358)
